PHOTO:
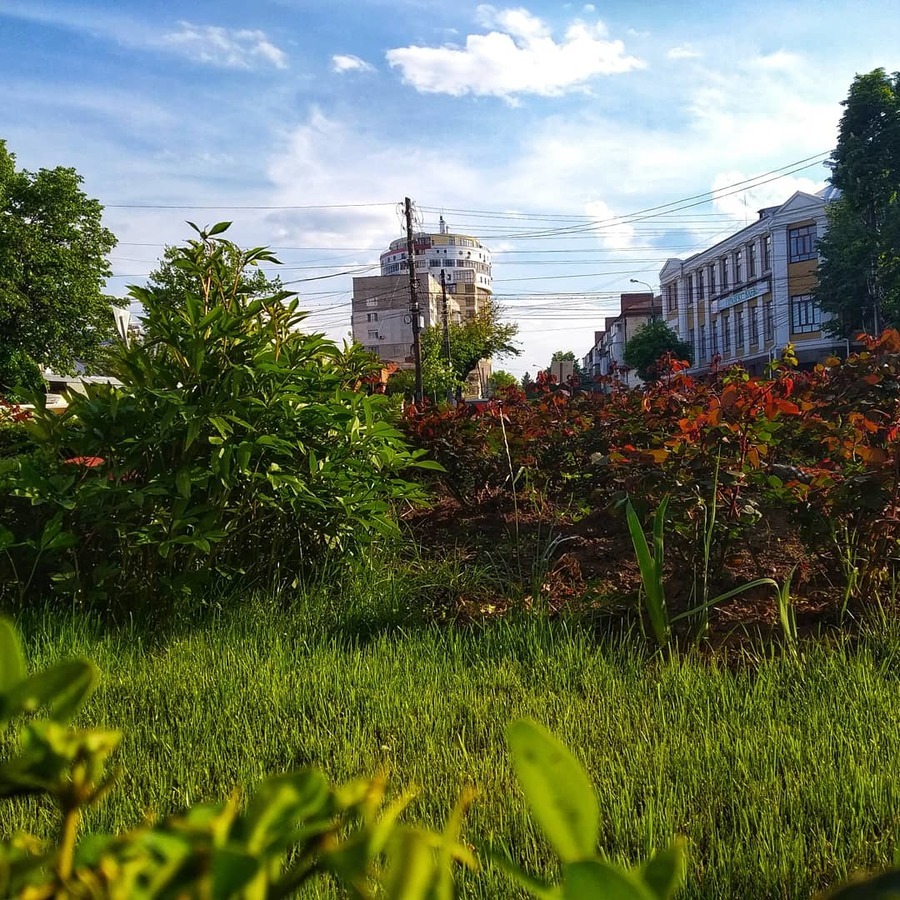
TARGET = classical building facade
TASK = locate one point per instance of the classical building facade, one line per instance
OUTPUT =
(746, 297)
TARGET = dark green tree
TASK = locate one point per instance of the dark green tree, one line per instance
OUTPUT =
(650, 343)
(53, 264)
(859, 272)
(501, 380)
(485, 337)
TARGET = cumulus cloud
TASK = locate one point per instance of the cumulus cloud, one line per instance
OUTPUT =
(518, 55)
(612, 232)
(229, 48)
(348, 63)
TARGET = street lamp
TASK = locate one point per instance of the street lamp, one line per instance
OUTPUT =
(652, 296)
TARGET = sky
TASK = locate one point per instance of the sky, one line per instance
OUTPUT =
(584, 144)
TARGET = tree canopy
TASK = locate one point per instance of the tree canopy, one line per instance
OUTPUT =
(171, 282)
(484, 337)
(53, 264)
(859, 272)
(649, 344)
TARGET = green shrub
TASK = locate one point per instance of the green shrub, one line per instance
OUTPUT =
(238, 444)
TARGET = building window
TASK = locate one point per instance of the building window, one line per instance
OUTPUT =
(805, 316)
(802, 243)
(726, 336)
(767, 253)
(754, 327)
(769, 320)
(371, 301)
(739, 329)
(692, 340)
(738, 266)
(701, 287)
(372, 317)
(712, 279)
(689, 289)
(701, 349)
(671, 301)
(714, 338)
(373, 348)
(751, 259)
(373, 333)
(723, 273)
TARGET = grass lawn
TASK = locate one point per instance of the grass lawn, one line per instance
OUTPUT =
(781, 773)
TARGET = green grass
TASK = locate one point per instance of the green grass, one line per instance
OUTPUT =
(781, 774)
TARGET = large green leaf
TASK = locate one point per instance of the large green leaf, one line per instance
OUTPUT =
(232, 870)
(597, 880)
(63, 688)
(885, 886)
(558, 791)
(412, 865)
(282, 805)
(12, 662)
(664, 871)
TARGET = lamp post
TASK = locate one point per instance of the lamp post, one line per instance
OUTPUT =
(652, 296)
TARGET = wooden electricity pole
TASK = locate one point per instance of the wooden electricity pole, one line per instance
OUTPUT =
(446, 305)
(413, 301)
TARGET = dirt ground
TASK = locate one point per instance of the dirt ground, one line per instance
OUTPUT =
(586, 564)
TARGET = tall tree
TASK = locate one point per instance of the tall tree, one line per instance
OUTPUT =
(647, 346)
(53, 264)
(859, 273)
(485, 337)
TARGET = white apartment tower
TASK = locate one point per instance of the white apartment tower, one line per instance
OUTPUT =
(380, 305)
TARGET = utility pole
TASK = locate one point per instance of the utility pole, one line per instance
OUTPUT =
(446, 307)
(413, 300)
(446, 315)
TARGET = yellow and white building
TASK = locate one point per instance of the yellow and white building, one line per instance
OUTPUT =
(746, 297)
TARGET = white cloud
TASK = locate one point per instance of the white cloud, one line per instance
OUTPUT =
(683, 52)
(517, 22)
(517, 56)
(348, 63)
(612, 232)
(229, 48)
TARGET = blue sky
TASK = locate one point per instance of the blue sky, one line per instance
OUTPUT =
(542, 128)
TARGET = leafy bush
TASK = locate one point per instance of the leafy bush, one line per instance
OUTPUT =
(238, 444)
(822, 445)
(13, 434)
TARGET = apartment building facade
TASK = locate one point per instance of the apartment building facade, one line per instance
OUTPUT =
(607, 356)
(746, 297)
(381, 317)
(464, 260)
